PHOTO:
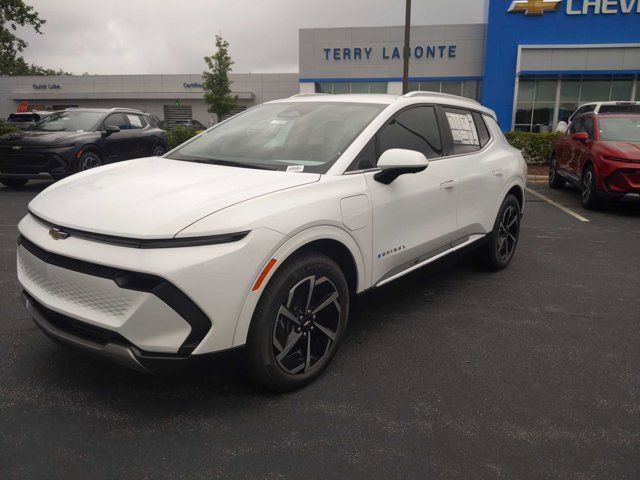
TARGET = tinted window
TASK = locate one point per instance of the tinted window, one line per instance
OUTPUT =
(413, 129)
(463, 130)
(620, 109)
(483, 131)
(116, 120)
(589, 126)
(366, 158)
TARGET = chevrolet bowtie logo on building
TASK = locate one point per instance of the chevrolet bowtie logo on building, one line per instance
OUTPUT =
(534, 7)
(58, 234)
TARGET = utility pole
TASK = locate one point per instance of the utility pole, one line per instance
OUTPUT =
(407, 48)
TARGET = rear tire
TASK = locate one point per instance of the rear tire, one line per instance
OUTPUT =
(158, 151)
(501, 243)
(298, 323)
(588, 191)
(13, 182)
(555, 180)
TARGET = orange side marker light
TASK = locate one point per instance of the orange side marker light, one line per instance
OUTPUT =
(263, 274)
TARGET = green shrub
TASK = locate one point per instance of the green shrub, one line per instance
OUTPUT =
(7, 128)
(178, 135)
(535, 147)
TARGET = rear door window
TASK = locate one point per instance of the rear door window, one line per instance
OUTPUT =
(464, 131)
(136, 121)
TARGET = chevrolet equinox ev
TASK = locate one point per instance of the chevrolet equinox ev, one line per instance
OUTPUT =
(260, 232)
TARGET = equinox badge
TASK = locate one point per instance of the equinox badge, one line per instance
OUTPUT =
(57, 234)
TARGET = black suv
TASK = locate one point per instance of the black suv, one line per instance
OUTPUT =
(78, 139)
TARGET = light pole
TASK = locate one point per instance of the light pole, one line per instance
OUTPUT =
(407, 48)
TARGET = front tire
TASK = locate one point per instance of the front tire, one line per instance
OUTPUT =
(13, 182)
(589, 194)
(555, 180)
(501, 243)
(298, 323)
(87, 161)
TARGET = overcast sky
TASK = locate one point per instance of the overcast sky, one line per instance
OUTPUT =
(172, 36)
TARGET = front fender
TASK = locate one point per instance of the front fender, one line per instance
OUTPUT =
(288, 248)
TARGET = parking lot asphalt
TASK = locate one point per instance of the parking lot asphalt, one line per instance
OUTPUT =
(532, 373)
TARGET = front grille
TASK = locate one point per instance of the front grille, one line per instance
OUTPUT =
(78, 329)
(171, 295)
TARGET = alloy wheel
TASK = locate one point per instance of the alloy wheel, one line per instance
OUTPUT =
(306, 325)
(508, 232)
(587, 181)
(89, 162)
(158, 152)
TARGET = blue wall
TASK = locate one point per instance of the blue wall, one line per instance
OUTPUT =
(505, 31)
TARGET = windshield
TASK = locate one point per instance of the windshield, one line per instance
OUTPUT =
(68, 122)
(306, 136)
(625, 129)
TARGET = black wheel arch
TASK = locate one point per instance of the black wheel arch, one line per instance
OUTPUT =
(340, 254)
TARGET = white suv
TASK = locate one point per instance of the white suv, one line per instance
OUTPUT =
(260, 231)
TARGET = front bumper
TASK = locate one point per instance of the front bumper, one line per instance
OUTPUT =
(36, 162)
(172, 302)
(619, 180)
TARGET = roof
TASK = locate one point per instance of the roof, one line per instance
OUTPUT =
(105, 110)
(387, 99)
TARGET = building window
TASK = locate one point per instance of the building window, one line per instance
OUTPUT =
(351, 87)
(536, 102)
(468, 88)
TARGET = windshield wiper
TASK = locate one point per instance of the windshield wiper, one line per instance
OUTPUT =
(228, 163)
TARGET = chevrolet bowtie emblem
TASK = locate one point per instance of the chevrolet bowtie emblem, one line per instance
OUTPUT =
(17, 147)
(534, 7)
(57, 234)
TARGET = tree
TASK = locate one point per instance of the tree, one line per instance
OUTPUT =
(14, 13)
(217, 86)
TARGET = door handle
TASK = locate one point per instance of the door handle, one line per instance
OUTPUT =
(448, 184)
(497, 172)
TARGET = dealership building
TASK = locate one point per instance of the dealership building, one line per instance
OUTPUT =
(533, 61)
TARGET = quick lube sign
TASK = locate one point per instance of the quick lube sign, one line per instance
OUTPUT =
(602, 7)
(388, 53)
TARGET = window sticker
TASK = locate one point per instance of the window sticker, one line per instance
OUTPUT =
(134, 120)
(463, 129)
(295, 168)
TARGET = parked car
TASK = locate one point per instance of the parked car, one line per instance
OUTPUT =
(600, 107)
(261, 231)
(601, 154)
(24, 120)
(192, 124)
(77, 139)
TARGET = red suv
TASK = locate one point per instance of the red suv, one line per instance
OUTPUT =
(601, 154)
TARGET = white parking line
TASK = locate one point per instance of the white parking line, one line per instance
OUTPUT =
(556, 204)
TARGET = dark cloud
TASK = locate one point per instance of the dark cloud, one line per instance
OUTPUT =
(172, 36)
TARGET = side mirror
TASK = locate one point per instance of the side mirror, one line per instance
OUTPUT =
(562, 127)
(581, 137)
(398, 161)
(109, 129)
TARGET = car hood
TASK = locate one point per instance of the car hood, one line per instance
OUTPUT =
(154, 197)
(33, 138)
(629, 150)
